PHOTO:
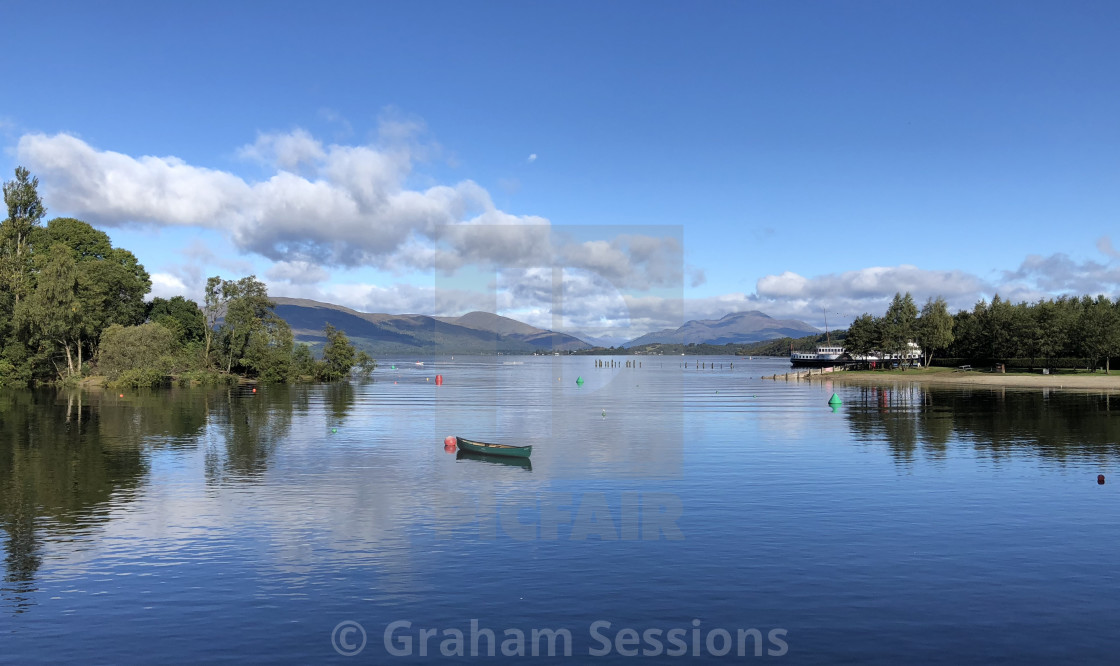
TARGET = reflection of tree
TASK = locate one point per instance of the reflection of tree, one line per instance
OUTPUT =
(254, 424)
(58, 467)
(1052, 424)
(340, 398)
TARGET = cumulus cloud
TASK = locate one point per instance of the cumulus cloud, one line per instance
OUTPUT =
(335, 206)
(532, 158)
(166, 285)
(1059, 273)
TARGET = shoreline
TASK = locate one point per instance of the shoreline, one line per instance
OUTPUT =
(973, 378)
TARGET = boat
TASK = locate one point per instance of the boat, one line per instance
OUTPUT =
(832, 355)
(825, 355)
(523, 463)
(493, 449)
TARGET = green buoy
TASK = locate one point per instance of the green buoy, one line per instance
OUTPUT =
(334, 429)
(835, 400)
(579, 380)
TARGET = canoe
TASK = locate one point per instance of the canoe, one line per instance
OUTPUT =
(494, 449)
(523, 463)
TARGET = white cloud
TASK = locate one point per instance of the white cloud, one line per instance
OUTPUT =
(532, 158)
(166, 285)
(288, 151)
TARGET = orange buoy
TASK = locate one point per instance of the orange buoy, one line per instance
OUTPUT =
(439, 380)
(254, 390)
(449, 441)
(122, 395)
(1100, 479)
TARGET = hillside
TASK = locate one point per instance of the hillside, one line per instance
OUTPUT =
(737, 327)
(472, 333)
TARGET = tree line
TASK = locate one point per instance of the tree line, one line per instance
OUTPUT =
(72, 305)
(1067, 331)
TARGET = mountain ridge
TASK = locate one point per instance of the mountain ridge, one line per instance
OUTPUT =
(383, 333)
(734, 327)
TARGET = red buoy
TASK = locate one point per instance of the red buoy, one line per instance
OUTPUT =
(254, 390)
(1100, 479)
(449, 442)
(439, 380)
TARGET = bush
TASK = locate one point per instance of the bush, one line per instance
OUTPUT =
(147, 347)
(138, 378)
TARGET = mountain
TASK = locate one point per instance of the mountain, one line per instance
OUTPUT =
(737, 327)
(410, 334)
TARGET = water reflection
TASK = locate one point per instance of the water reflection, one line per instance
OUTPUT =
(62, 462)
(1058, 425)
(523, 463)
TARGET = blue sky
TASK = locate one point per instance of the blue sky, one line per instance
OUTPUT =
(798, 158)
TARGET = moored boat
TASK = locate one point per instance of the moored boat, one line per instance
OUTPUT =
(488, 449)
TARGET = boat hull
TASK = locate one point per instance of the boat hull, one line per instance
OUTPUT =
(486, 449)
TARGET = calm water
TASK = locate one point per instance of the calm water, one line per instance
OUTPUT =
(910, 525)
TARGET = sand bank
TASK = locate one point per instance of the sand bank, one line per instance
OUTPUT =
(1094, 382)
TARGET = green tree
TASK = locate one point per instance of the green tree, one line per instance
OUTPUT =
(25, 210)
(111, 282)
(899, 325)
(338, 355)
(1100, 331)
(302, 363)
(935, 328)
(365, 364)
(862, 335)
(268, 353)
(181, 315)
(247, 310)
(52, 313)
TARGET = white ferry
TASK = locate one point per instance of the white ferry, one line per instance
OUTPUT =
(830, 355)
(824, 356)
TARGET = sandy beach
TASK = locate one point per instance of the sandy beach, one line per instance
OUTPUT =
(1095, 382)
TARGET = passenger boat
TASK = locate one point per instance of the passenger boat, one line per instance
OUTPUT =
(493, 449)
(824, 356)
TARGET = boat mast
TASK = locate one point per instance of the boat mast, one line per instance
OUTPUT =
(827, 339)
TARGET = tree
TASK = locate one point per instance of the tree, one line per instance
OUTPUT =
(181, 315)
(935, 328)
(25, 210)
(899, 325)
(268, 352)
(53, 312)
(111, 282)
(338, 355)
(1100, 330)
(247, 310)
(862, 335)
(214, 305)
(365, 364)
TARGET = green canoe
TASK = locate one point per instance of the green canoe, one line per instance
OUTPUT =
(494, 449)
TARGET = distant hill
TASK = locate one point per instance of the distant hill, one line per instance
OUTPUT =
(737, 327)
(472, 333)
